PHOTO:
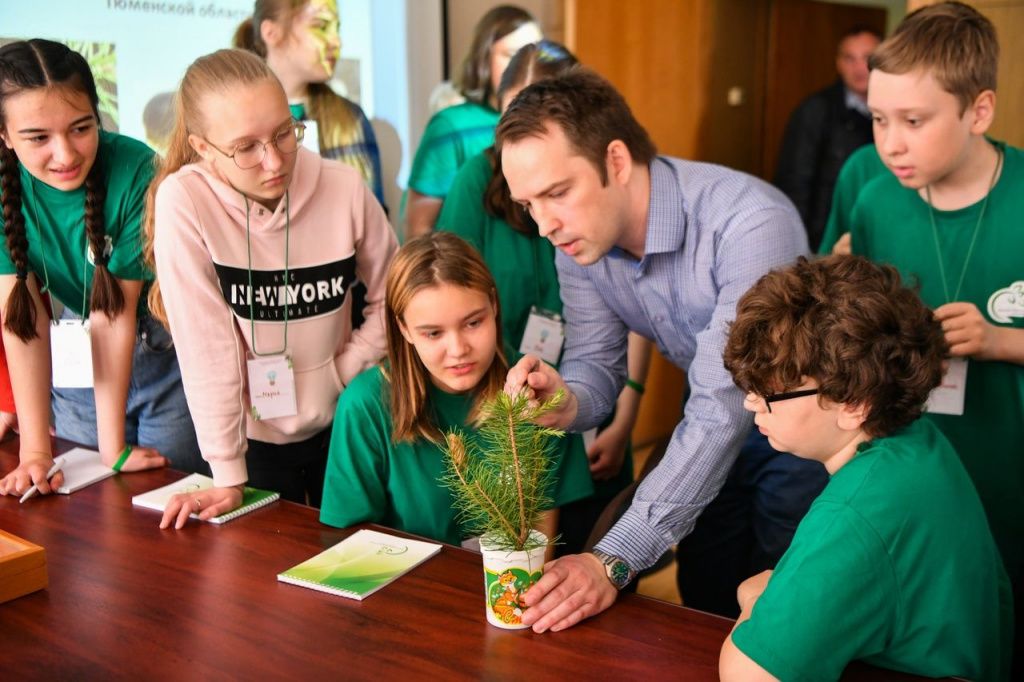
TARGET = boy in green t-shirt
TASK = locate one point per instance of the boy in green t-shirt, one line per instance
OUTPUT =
(894, 563)
(948, 215)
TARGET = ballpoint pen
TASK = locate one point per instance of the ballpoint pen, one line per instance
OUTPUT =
(57, 464)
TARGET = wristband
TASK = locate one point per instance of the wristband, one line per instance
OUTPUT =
(636, 386)
(122, 458)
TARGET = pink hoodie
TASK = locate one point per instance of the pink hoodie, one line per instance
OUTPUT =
(338, 231)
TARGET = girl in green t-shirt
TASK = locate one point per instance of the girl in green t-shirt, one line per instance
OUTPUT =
(444, 358)
(72, 198)
(456, 133)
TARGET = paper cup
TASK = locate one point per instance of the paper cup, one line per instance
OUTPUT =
(506, 576)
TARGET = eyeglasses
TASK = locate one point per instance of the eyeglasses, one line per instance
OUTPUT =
(251, 154)
(789, 395)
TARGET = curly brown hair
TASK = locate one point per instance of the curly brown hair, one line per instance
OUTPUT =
(847, 323)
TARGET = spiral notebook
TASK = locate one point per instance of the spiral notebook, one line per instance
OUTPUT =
(360, 564)
(252, 498)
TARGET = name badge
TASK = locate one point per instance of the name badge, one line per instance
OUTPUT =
(948, 397)
(544, 335)
(311, 138)
(71, 354)
(271, 387)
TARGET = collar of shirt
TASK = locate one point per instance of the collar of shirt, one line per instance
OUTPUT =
(666, 214)
(856, 103)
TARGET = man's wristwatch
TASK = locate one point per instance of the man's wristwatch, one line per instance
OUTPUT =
(618, 571)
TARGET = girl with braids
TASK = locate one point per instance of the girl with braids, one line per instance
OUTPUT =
(300, 41)
(72, 199)
(480, 209)
(444, 357)
(256, 242)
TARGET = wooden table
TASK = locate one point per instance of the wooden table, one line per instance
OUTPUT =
(127, 600)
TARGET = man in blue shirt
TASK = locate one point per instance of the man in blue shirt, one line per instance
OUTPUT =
(649, 244)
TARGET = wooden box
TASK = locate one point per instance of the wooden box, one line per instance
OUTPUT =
(22, 567)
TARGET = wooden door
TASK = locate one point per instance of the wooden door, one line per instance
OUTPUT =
(802, 40)
(1008, 18)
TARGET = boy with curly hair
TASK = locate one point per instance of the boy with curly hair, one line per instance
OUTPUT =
(894, 564)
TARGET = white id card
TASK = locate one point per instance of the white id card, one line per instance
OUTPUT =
(948, 397)
(589, 436)
(71, 354)
(544, 335)
(272, 387)
(311, 138)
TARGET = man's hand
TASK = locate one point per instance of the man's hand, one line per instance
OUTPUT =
(572, 588)
(967, 332)
(607, 452)
(542, 381)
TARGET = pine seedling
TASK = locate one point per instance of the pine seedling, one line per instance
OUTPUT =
(501, 480)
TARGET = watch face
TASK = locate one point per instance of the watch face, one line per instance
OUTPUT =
(618, 571)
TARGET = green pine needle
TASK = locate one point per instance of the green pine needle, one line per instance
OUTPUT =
(501, 481)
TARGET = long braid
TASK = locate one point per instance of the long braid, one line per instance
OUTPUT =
(21, 309)
(107, 296)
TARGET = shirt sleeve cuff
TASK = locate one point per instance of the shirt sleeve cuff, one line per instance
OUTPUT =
(635, 542)
(229, 472)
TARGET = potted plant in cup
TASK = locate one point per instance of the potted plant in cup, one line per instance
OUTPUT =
(500, 484)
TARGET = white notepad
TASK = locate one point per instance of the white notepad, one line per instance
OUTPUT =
(82, 468)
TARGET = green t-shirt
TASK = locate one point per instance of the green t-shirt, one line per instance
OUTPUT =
(894, 565)
(452, 136)
(891, 224)
(863, 165)
(371, 478)
(523, 267)
(55, 223)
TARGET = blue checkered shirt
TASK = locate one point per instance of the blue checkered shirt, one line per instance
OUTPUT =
(711, 233)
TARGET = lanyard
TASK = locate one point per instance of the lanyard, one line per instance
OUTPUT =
(974, 237)
(42, 259)
(284, 289)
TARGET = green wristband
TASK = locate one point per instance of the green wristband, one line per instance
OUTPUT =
(636, 386)
(123, 458)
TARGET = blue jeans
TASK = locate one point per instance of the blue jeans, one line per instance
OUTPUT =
(156, 414)
(748, 527)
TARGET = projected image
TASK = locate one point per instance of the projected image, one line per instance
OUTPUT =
(102, 59)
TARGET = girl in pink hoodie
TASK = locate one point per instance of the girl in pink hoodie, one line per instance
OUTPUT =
(256, 243)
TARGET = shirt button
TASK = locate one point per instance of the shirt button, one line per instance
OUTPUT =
(260, 211)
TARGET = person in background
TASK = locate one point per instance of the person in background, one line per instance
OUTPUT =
(459, 132)
(479, 209)
(301, 42)
(256, 242)
(894, 564)
(444, 358)
(824, 130)
(947, 214)
(72, 199)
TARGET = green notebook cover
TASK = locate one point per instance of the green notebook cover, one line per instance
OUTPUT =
(252, 498)
(360, 564)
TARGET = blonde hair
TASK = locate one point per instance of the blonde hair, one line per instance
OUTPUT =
(425, 262)
(330, 111)
(953, 41)
(213, 73)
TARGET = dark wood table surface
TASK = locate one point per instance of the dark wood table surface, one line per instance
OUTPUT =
(128, 600)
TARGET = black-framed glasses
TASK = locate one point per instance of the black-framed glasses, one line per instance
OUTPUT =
(788, 395)
(251, 154)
